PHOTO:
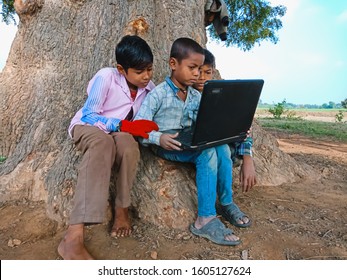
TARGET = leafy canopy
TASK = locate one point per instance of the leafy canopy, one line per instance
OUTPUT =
(7, 11)
(251, 21)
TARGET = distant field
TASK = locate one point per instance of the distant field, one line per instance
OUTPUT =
(323, 112)
(324, 115)
(316, 123)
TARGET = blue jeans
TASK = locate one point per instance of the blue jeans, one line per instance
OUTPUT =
(213, 175)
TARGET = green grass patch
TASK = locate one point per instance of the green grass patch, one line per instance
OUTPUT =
(2, 159)
(314, 129)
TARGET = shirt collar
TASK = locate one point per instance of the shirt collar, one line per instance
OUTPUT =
(190, 90)
(124, 85)
(174, 88)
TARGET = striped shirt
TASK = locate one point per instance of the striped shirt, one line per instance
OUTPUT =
(109, 101)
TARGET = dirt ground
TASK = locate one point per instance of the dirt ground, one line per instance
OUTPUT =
(305, 220)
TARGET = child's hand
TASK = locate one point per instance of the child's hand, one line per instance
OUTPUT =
(247, 174)
(168, 142)
(249, 133)
(139, 127)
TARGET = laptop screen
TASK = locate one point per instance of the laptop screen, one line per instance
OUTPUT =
(226, 110)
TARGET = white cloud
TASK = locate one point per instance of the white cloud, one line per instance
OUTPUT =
(314, 10)
(312, 59)
(342, 17)
(263, 63)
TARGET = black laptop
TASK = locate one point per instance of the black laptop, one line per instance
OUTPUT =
(225, 114)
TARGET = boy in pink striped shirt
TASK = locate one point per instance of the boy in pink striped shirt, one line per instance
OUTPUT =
(103, 130)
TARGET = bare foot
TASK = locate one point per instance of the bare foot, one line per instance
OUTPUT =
(72, 246)
(243, 220)
(121, 226)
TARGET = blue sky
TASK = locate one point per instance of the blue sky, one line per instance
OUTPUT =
(307, 66)
(309, 63)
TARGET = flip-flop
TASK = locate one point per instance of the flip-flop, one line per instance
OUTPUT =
(232, 214)
(215, 231)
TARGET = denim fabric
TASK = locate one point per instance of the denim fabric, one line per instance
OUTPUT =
(213, 175)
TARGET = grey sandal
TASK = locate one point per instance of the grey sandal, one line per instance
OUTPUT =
(215, 231)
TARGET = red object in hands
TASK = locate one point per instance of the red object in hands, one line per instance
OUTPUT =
(139, 127)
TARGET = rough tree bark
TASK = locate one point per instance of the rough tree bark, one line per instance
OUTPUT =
(59, 46)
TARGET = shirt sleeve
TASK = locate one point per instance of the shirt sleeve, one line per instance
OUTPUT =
(147, 112)
(93, 107)
(245, 147)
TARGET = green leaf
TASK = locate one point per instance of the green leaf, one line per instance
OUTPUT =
(8, 11)
(251, 22)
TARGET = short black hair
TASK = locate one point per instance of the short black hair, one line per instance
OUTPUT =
(183, 47)
(209, 58)
(133, 52)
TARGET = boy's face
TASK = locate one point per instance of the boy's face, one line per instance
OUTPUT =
(206, 73)
(137, 78)
(187, 72)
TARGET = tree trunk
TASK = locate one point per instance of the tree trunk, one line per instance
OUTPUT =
(59, 46)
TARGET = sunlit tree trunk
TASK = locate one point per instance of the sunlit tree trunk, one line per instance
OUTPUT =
(59, 46)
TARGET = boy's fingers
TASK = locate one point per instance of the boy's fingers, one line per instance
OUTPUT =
(174, 136)
(172, 140)
(244, 187)
(176, 148)
(173, 146)
(176, 143)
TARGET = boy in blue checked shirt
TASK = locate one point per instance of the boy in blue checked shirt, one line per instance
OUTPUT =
(174, 104)
(239, 150)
